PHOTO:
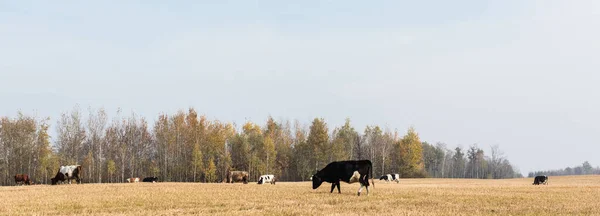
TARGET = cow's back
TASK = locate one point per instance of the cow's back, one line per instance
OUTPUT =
(345, 170)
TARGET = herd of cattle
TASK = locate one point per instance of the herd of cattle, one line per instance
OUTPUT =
(334, 173)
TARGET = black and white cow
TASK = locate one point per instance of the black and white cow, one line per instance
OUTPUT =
(263, 179)
(346, 171)
(152, 179)
(67, 173)
(540, 180)
(391, 177)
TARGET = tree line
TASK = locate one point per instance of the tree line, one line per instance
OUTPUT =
(188, 147)
(584, 169)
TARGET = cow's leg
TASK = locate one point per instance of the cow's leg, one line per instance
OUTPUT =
(360, 189)
(338, 186)
(332, 187)
(366, 180)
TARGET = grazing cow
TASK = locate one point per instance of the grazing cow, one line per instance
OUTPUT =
(237, 176)
(133, 180)
(346, 171)
(67, 173)
(386, 178)
(263, 179)
(22, 179)
(152, 179)
(391, 177)
(540, 180)
(58, 178)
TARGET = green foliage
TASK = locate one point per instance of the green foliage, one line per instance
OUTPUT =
(318, 142)
(584, 169)
(211, 171)
(459, 163)
(344, 142)
(433, 160)
(111, 168)
(411, 155)
(188, 147)
(197, 162)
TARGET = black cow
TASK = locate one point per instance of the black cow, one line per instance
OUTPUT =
(346, 171)
(540, 180)
(150, 179)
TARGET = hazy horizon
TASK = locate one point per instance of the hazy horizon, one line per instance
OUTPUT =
(518, 74)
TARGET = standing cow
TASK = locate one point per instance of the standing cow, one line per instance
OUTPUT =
(346, 171)
(263, 179)
(237, 176)
(68, 173)
(540, 180)
(22, 179)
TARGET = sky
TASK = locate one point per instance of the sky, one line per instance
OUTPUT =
(520, 74)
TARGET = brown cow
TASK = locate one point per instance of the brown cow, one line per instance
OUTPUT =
(237, 176)
(23, 179)
(133, 180)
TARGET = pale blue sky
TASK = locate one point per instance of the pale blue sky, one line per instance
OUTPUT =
(520, 74)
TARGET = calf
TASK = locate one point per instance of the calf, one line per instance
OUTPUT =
(346, 171)
(152, 179)
(22, 179)
(263, 179)
(540, 180)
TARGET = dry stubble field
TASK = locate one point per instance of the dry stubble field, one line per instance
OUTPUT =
(571, 195)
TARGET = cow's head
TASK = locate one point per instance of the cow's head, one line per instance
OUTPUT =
(316, 181)
(53, 180)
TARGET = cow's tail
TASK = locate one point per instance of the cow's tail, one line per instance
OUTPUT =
(372, 177)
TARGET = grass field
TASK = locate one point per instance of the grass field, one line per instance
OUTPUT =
(570, 195)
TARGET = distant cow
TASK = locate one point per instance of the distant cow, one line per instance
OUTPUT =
(152, 179)
(237, 176)
(67, 173)
(540, 180)
(263, 179)
(391, 177)
(22, 179)
(133, 180)
(387, 177)
(346, 171)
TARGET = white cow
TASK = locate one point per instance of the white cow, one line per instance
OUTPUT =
(263, 179)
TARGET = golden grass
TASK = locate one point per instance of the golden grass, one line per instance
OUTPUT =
(570, 195)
